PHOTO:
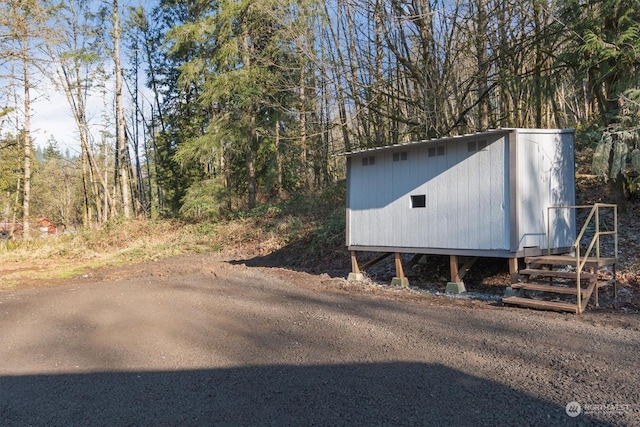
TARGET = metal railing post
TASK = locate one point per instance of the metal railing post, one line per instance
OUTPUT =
(595, 241)
(549, 230)
(578, 268)
(597, 235)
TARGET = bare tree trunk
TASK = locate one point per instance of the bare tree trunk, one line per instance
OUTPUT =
(121, 138)
(251, 175)
(27, 139)
(304, 170)
(69, 71)
(147, 135)
(251, 131)
(378, 119)
(139, 193)
(86, 211)
(93, 171)
(148, 49)
(279, 161)
(339, 66)
(483, 66)
(537, 70)
(15, 210)
(226, 172)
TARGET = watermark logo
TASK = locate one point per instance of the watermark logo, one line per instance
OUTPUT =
(573, 409)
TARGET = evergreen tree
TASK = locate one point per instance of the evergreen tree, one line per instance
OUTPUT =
(10, 176)
(605, 48)
(177, 115)
(57, 188)
(242, 78)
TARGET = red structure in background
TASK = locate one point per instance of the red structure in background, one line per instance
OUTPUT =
(46, 227)
(11, 230)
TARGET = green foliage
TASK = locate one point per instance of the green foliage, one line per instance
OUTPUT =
(304, 226)
(232, 81)
(588, 135)
(336, 194)
(11, 158)
(617, 155)
(5, 111)
(606, 48)
(603, 47)
(330, 232)
(178, 117)
(56, 188)
(204, 201)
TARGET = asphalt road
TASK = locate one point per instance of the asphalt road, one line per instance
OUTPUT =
(212, 343)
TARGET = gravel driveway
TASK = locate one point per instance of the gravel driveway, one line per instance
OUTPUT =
(196, 340)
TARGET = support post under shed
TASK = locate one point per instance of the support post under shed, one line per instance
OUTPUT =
(400, 279)
(355, 269)
(513, 269)
(456, 285)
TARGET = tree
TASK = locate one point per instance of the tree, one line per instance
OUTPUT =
(617, 156)
(11, 174)
(57, 187)
(177, 116)
(23, 23)
(123, 163)
(141, 184)
(605, 37)
(243, 79)
(76, 56)
(603, 45)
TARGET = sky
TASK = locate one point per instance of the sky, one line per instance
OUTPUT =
(51, 115)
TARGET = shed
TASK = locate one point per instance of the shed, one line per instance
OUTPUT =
(480, 195)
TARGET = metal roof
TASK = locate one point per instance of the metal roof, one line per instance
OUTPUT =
(491, 132)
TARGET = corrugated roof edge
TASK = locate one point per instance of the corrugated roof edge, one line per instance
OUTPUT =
(451, 138)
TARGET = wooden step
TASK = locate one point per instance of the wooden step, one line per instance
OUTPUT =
(548, 288)
(543, 305)
(554, 273)
(568, 260)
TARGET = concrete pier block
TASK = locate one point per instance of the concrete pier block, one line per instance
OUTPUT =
(400, 281)
(354, 277)
(509, 292)
(455, 288)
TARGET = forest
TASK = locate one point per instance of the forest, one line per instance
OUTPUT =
(208, 108)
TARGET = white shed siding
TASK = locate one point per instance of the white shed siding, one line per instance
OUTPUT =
(465, 199)
(499, 203)
(458, 178)
(475, 200)
(440, 189)
(545, 178)
(563, 190)
(531, 204)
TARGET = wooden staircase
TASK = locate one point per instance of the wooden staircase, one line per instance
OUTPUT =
(567, 282)
(554, 275)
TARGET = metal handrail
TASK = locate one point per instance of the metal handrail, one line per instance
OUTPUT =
(595, 240)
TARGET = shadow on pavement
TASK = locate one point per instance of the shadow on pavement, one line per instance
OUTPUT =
(352, 394)
(336, 267)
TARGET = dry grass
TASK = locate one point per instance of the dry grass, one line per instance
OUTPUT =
(70, 255)
(103, 244)
(125, 242)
